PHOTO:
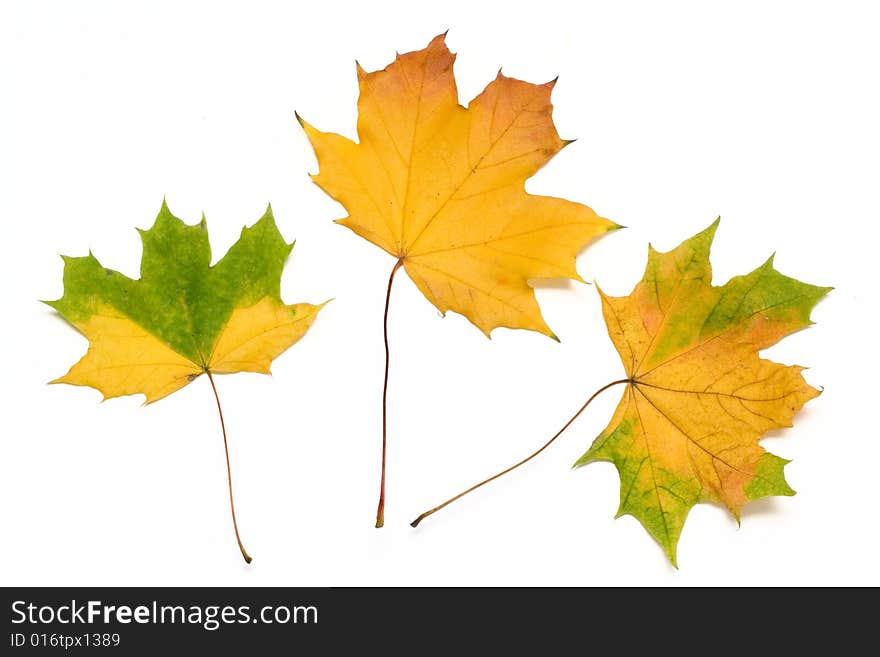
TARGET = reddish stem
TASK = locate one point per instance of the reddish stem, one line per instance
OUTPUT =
(380, 511)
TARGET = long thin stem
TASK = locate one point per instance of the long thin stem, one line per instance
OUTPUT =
(380, 511)
(415, 523)
(244, 553)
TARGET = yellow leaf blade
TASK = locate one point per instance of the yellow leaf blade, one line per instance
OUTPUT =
(254, 336)
(124, 359)
(442, 188)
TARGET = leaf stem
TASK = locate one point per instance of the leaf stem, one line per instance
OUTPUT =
(380, 511)
(244, 553)
(415, 523)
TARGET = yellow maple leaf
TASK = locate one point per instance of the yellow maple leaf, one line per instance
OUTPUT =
(442, 188)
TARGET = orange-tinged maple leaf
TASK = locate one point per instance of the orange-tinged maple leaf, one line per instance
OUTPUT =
(698, 397)
(442, 188)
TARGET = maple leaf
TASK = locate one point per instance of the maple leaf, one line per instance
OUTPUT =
(183, 317)
(442, 188)
(698, 397)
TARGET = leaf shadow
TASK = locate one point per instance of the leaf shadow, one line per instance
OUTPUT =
(58, 317)
(766, 506)
(566, 283)
(761, 508)
(803, 416)
(551, 283)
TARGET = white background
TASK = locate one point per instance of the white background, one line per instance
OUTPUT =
(763, 113)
